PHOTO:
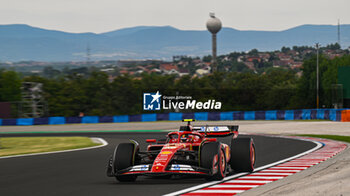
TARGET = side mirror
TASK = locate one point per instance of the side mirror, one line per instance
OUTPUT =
(151, 140)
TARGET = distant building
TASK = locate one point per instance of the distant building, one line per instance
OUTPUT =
(167, 67)
(283, 63)
(296, 65)
(250, 65)
(265, 56)
(240, 59)
(183, 72)
(284, 57)
(251, 59)
(202, 72)
(123, 72)
(155, 70)
(172, 72)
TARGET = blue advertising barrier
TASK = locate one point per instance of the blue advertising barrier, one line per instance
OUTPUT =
(201, 115)
(289, 115)
(162, 117)
(57, 120)
(260, 115)
(73, 120)
(333, 115)
(188, 115)
(119, 119)
(320, 114)
(41, 121)
(105, 119)
(271, 115)
(148, 117)
(313, 114)
(135, 118)
(326, 114)
(9, 122)
(306, 114)
(89, 119)
(226, 115)
(213, 116)
(298, 114)
(25, 121)
(280, 114)
(175, 116)
(238, 116)
(249, 115)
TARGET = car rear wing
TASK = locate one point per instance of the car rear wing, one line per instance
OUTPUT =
(215, 130)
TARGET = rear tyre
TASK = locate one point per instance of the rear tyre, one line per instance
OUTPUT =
(212, 157)
(123, 158)
(242, 155)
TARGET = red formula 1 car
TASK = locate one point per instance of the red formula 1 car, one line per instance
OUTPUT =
(189, 151)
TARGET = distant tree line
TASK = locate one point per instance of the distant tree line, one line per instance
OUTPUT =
(94, 94)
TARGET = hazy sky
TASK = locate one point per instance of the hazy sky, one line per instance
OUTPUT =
(107, 15)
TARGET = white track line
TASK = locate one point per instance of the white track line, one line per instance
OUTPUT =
(318, 146)
(100, 140)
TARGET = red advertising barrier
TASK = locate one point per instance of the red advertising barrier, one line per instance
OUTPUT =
(345, 116)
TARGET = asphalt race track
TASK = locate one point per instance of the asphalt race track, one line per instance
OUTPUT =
(83, 172)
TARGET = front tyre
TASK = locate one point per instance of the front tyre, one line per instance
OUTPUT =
(242, 155)
(123, 158)
(212, 157)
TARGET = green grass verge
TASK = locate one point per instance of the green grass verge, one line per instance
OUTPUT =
(332, 137)
(28, 145)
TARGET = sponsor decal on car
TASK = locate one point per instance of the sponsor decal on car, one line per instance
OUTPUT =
(170, 147)
(140, 168)
(162, 157)
(166, 152)
(175, 167)
(212, 129)
(179, 167)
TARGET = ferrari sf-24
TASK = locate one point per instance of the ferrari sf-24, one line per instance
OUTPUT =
(193, 150)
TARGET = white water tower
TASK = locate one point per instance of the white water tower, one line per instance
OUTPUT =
(214, 26)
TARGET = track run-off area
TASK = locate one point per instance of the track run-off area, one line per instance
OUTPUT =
(83, 172)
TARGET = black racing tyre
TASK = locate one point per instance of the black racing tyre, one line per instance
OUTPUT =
(242, 155)
(123, 157)
(212, 157)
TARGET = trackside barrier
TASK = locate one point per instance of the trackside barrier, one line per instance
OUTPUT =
(305, 114)
(345, 116)
(57, 120)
